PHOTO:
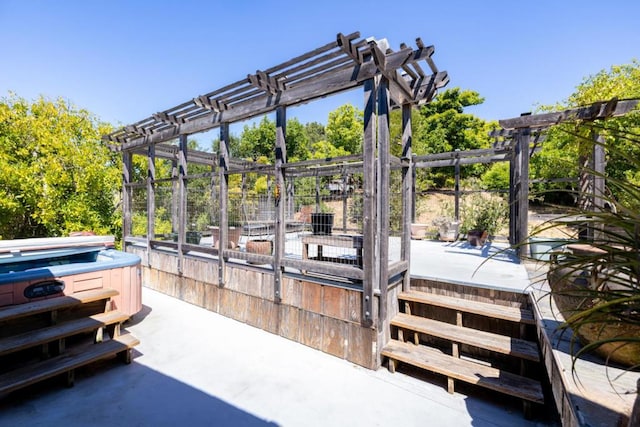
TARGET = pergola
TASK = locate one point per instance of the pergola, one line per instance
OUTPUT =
(389, 79)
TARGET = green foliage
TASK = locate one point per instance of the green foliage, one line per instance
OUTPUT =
(481, 211)
(55, 174)
(315, 132)
(497, 177)
(258, 140)
(345, 129)
(567, 144)
(324, 149)
(604, 284)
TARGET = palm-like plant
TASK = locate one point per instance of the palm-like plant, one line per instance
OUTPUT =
(596, 286)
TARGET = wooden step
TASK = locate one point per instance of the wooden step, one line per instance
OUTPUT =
(499, 343)
(41, 306)
(463, 370)
(71, 359)
(513, 314)
(51, 333)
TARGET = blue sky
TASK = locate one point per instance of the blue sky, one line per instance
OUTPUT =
(125, 60)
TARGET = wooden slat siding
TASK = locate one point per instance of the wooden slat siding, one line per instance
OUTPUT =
(470, 372)
(333, 82)
(598, 110)
(383, 199)
(512, 314)
(223, 195)
(407, 185)
(41, 306)
(280, 200)
(334, 332)
(369, 207)
(71, 359)
(44, 335)
(499, 343)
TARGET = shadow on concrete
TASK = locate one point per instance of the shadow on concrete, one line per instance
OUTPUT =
(108, 393)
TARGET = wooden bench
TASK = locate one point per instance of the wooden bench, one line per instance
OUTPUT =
(24, 335)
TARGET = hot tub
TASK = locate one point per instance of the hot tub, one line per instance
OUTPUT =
(32, 269)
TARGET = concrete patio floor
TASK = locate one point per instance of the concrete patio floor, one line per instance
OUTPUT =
(195, 367)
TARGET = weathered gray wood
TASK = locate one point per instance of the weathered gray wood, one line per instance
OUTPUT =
(280, 201)
(151, 195)
(335, 270)
(182, 197)
(512, 314)
(456, 188)
(369, 207)
(598, 110)
(127, 174)
(383, 199)
(523, 349)
(473, 373)
(523, 192)
(407, 186)
(223, 218)
(333, 82)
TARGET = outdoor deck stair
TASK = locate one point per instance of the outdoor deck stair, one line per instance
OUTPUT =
(408, 345)
(47, 338)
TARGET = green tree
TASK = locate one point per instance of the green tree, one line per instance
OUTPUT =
(315, 132)
(55, 174)
(565, 144)
(345, 128)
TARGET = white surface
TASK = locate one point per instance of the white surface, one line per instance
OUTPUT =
(195, 368)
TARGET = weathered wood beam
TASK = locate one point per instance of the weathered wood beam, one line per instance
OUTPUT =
(382, 198)
(280, 201)
(335, 82)
(597, 110)
(407, 185)
(265, 82)
(369, 207)
(462, 161)
(223, 185)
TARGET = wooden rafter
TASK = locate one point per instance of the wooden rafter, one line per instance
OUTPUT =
(341, 65)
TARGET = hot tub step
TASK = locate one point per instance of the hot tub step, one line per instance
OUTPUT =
(62, 330)
(52, 304)
(67, 362)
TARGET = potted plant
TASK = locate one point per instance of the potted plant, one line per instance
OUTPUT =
(447, 228)
(322, 222)
(482, 216)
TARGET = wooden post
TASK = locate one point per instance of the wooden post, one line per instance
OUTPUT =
(598, 182)
(151, 197)
(383, 200)
(175, 198)
(223, 217)
(514, 173)
(127, 173)
(280, 201)
(457, 186)
(318, 194)
(523, 190)
(413, 189)
(408, 210)
(182, 196)
(369, 208)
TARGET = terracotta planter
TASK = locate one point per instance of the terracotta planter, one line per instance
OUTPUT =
(262, 247)
(419, 231)
(570, 291)
(233, 236)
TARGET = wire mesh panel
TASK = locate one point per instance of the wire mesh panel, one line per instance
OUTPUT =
(139, 212)
(199, 209)
(166, 212)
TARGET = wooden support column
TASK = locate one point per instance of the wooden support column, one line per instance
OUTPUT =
(182, 197)
(457, 187)
(383, 201)
(151, 197)
(407, 186)
(524, 137)
(369, 207)
(223, 195)
(127, 174)
(280, 201)
(598, 180)
(514, 172)
(175, 199)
